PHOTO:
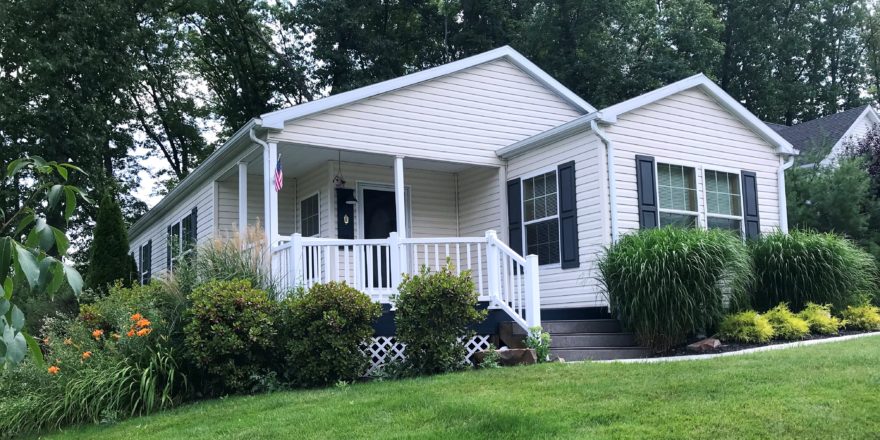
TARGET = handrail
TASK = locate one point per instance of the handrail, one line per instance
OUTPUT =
(507, 250)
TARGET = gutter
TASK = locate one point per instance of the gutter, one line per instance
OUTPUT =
(780, 187)
(199, 175)
(612, 183)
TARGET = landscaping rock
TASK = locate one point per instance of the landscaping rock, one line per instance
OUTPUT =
(702, 346)
(517, 356)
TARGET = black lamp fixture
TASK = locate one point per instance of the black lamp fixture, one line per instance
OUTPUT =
(339, 182)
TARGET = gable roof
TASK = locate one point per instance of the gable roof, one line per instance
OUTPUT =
(820, 135)
(278, 118)
(783, 146)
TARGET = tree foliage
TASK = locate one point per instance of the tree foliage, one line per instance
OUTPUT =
(110, 260)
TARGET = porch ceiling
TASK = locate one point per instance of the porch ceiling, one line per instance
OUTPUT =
(299, 159)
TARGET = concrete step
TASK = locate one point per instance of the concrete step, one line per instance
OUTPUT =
(600, 353)
(566, 340)
(576, 326)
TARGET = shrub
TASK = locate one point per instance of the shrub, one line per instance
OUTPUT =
(804, 267)
(324, 328)
(539, 341)
(109, 258)
(820, 320)
(230, 335)
(748, 327)
(865, 317)
(434, 311)
(667, 283)
(786, 325)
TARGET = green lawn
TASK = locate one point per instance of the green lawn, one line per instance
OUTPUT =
(824, 391)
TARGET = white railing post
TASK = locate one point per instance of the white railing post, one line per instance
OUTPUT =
(394, 249)
(533, 292)
(294, 261)
(494, 277)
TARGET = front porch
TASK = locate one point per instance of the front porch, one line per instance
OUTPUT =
(366, 219)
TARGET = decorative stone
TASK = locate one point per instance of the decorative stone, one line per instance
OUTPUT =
(508, 357)
(704, 345)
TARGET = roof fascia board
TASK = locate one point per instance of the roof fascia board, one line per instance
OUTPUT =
(699, 80)
(277, 119)
(191, 182)
(548, 136)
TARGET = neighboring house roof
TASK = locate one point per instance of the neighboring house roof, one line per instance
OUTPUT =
(609, 115)
(277, 118)
(819, 137)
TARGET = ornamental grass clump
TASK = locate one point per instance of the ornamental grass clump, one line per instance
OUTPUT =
(748, 327)
(803, 267)
(786, 325)
(864, 317)
(667, 283)
(820, 319)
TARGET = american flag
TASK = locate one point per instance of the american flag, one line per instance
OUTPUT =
(279, 176)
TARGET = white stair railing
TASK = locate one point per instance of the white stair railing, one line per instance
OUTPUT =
(374, 266)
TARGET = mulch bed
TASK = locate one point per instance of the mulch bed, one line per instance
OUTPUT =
(736, 346)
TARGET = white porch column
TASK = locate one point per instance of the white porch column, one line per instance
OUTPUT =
(242, 198)
(400, 196)
(270, 196)
(502, 193)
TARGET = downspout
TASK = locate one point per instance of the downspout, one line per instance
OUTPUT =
(783, 204)
(612, 182)
(266, 205)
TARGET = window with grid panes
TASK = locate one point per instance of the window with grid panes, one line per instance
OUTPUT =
(541, 217)
(309, 217)
(723, 201)
(677, 190)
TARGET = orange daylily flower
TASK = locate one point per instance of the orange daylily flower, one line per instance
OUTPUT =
(143, 323)
(130, 333)
(97, 334)
(53, 370)
(136, 317)
(143, 332)
(86, 355)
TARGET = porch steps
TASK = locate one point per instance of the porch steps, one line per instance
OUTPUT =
(577, 340)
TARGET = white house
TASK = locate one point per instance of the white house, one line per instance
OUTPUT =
(823, 140)
(488, 161)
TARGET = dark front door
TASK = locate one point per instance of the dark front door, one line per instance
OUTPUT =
(380, 220)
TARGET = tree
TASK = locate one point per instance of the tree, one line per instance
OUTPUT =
(867, 149)
(109, 259)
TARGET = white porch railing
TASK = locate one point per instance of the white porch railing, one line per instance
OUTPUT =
(503, 278)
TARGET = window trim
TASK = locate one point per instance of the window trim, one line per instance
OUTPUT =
(522, 202)
(299, 207)
(698, 174)
(742, 213)
(140, 262)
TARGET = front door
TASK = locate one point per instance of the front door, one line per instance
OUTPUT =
(380, 220)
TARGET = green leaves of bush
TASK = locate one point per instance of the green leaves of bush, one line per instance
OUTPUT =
(786, 325)
(324, 328)
(803, 267)
(864, 317)
(434, 311)
(820, 320)
(748, 327)
(667, 283)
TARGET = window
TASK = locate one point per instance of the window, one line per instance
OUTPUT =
(145, 262)
(677, 188)
(540, 217)
(309, 217)
(181, 239)
(723, 201)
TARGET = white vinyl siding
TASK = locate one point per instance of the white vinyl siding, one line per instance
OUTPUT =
(480, 202)
(462, 117)
(203, 198)
(227, 204)
(577, 287)
(690, 128)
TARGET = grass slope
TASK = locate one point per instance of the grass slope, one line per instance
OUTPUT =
(823, 391)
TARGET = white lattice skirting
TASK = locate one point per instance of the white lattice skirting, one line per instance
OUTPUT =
(384, 349)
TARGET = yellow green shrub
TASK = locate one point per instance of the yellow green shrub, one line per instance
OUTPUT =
(819, 318)
(748, 327)
(866, 317)
(786, 325)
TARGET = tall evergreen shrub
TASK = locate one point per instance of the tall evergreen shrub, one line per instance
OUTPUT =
(667, 283)
(109, 259)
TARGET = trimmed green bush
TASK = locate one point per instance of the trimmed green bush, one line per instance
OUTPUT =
(109, 258)
(230, 336)
(434, 313)
(748, 327)
(786, 325)
(804, 267)
(324, 328)
(865, 317)
(820, 319)
(667, 283)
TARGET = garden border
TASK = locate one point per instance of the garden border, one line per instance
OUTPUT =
(695, 357)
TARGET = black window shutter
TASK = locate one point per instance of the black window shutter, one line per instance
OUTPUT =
(148, 262)
(750, 204)
(194, 225)
(646, 183)
(568, 228)
(168, 249)
(514, 215)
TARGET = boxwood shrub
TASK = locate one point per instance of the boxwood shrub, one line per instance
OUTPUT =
(323, 328)
(803, 267)
(667, 283)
